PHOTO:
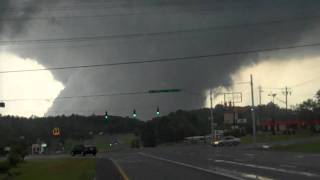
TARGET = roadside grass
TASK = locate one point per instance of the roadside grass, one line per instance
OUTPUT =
(3, 176)
(268, 137)
(101, 141)
(56, 169)
(305, 147)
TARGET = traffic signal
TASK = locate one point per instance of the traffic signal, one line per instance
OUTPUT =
(158, 112)
(106, 116)
(134, 113)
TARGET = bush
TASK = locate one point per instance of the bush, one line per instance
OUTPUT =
(148, 136)
(135, 143)
(4, 167)
(20, 150)
(14, 159)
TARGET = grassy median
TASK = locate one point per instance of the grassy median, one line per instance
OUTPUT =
(56, 169)
(268, 137)
(305, 147)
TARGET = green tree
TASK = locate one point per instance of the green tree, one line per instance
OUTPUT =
(148, 135)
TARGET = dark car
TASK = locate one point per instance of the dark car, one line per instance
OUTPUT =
(83, 150)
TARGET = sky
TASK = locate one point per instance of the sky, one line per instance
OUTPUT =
(43, 34)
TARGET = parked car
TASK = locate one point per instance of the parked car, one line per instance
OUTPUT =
(83, 150)
(226, 141)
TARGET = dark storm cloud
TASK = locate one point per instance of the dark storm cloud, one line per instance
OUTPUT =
(14, 15)
(195, 75)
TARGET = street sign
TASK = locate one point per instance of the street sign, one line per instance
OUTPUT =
(234, 127)
(234, 97)
(164, 91)
(228, 117)
(56, 132)
(241, 121)
(44, 145)
(2, 105)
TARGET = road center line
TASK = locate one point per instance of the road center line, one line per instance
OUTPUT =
(123, 174)
(269, 168)
(191, 166)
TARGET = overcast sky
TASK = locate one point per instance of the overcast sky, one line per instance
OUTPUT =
(231, 26)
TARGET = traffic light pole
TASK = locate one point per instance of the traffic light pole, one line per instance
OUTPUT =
(253, 112)
(211, 116)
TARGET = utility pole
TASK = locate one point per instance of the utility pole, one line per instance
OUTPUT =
(211, 116)
(286, 93)
(260, 92)
(252, 112)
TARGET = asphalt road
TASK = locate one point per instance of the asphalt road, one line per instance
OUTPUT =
(106, 169)
(140, 167)
(205, 162)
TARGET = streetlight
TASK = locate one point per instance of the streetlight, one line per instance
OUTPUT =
(273, 95)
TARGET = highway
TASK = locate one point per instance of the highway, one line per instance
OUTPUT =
(199, 161)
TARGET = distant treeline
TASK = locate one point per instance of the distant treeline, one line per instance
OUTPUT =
(170, 128)
(176, 126)
(29, 130)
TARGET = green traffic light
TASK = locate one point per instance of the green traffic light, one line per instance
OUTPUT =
(106, 116)
(134, 113)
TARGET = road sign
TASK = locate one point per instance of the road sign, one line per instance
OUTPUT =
(234, 97)
(44, 145)
(242, 121)
(164, 91)
(56, 132)
(2, 105)
(234, 127)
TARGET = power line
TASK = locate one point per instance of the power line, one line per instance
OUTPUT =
(100, 15)
(162, 60)
(306, 82)
(80, 96)
(284, 102)
(300, 18)
(145, 34)
(93, 95)
(272, 88)
(107, 5)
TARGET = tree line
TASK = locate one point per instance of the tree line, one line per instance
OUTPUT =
(15, 130)
(181, 124)
(169, 128)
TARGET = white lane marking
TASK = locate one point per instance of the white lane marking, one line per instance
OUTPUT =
(239, 160)
(245, 175)
(314, 155)
(253, 176)
(300, 156)
(270, 168)
(191, 166)
(288, 166)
